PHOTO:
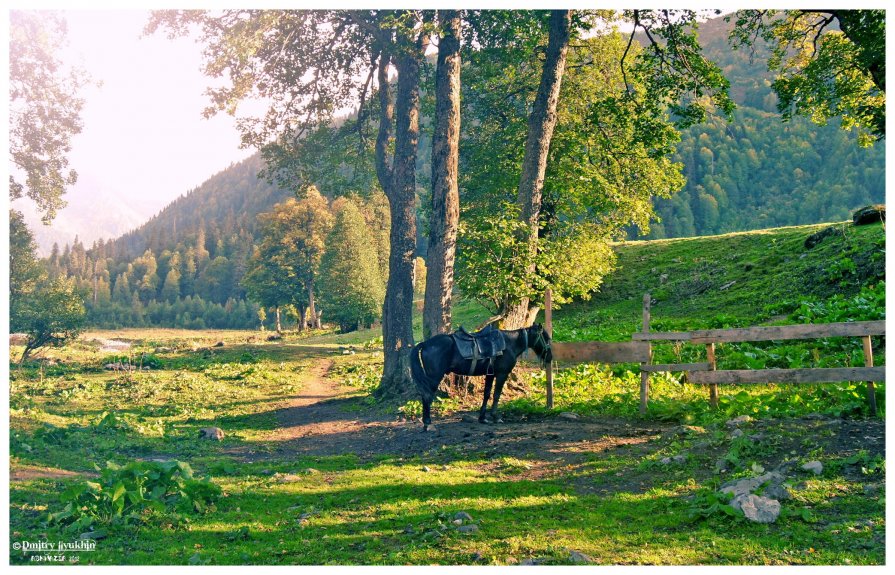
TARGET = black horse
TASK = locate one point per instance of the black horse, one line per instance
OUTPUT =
(438, 355)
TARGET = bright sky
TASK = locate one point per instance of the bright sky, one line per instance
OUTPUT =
(144, 136)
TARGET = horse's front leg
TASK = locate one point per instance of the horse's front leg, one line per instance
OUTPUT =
(498, 389)
(489, 380)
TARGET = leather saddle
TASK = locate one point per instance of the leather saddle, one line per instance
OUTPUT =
(485, 344)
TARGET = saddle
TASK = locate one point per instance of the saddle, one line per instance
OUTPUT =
(487, 343)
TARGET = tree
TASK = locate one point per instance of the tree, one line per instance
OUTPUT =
(824, 72)
(48, 310)
(352, 290)
(44, 110)
(307, 65)
(541, 123)
(610, 154)
(445, 214)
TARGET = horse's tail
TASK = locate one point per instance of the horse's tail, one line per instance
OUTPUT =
(424, 383)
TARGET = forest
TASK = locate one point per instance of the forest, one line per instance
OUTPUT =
(186, 267)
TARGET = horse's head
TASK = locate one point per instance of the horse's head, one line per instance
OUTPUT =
(540, 342)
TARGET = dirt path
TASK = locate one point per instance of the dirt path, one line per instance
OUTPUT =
(324, 419)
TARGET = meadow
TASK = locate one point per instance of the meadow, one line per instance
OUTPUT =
(313, 470)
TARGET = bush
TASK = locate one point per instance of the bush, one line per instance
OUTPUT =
(134, 492)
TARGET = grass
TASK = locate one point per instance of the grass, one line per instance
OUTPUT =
(613, 499)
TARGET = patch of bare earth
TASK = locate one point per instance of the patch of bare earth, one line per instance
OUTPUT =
(31, 472)
(324, 419)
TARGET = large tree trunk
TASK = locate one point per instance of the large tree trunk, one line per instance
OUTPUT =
(397, 311)
(541, 123)
(445, 172)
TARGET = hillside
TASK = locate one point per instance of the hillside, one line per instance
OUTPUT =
(731, 280)
(756, 172)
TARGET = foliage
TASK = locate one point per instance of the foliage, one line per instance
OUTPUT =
(133, 492)
(823, 72)
(49, 311)
(350, 282)
(608, 158)
(45, 110)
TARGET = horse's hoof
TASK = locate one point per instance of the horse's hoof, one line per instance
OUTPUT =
(430, 429)
(484, 421)
(498, 420)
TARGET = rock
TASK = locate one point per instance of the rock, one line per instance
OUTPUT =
(759, 509)
(425, 469)
(663, 278)
(869, 215)
(468, 528)
(777, 492)
(818, 237)
(680, 458)
(815, 467)
(214, 433)
(457, 522)
(738, 420)
(737, 432)
(741, 487)
(568, 415)
(727, 285)
(467, 418)
(578, 557)
(872, 489)
(463, 516)
(164, 350)
(218, 344)
(534, 561)
(310, 471)
(95, 535)
(275, 337)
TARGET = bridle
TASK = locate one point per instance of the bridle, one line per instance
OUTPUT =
(545, 345)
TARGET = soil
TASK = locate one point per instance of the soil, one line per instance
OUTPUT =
(328, 419)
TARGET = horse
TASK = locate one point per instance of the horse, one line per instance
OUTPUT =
(437, 356)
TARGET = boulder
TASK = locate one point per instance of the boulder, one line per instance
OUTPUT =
(213, 433)
(869, 215)
(568, 415)
(818, 237)
(579, 557)
(815, 467)
(759, 509)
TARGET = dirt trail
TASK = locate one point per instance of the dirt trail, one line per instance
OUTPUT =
(324, 419)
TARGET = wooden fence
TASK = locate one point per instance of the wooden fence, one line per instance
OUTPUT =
(639, 350)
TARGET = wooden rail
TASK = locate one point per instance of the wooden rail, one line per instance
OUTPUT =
(639, 350)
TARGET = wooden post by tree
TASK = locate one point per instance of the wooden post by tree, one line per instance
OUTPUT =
(868, 362)
(548, 321)
(644, 374)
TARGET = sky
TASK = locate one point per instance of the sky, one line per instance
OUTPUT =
(144, 138)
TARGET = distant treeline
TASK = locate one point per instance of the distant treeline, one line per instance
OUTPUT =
(185, 266)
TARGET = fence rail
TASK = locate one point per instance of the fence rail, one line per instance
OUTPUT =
(639, 350)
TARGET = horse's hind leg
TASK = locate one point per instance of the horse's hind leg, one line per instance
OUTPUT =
(498, 389)
(427, 414)
(489, 380)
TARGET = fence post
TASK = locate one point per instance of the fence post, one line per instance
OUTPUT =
(644, 375)
(713, 388)
(548, 321)
(868, 362)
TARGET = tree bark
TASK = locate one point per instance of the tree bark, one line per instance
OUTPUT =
(541, 123)
(445, 172)
(397, 315)
(279, 327)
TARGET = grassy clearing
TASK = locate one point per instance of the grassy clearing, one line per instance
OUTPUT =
(611, 498)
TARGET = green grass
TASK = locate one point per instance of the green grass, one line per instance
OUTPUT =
(618, 503)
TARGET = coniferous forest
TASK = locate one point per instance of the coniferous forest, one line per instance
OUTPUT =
(186, 266)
